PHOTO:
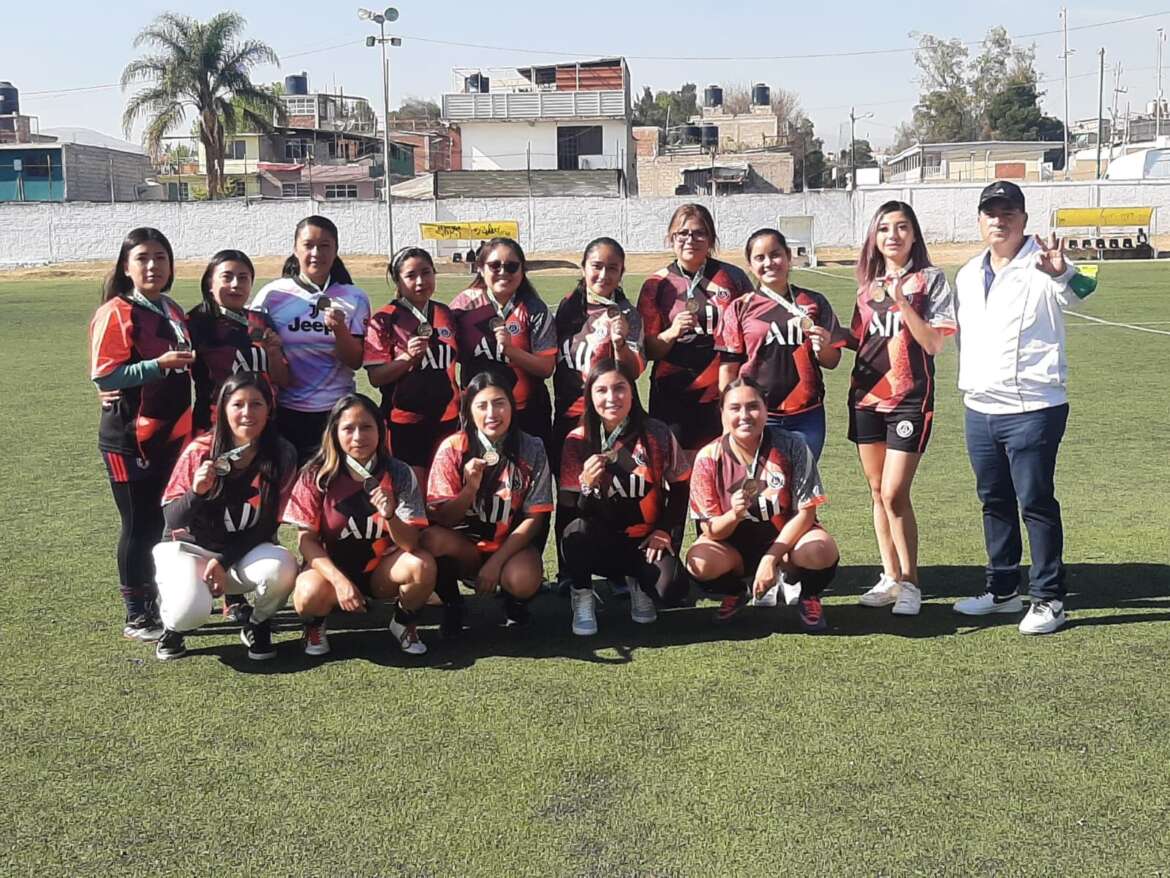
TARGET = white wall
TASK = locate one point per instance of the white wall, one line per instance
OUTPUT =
(41, 233)
(500, 146)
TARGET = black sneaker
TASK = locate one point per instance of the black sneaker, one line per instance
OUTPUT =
(237, 609)
(258, 638)
(515, 612)
(143, 627)
(451, 625)
(170, 646)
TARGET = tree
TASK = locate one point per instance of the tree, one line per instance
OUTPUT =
(942, 113)
(417, 108)
(905, 136)
(200, 67)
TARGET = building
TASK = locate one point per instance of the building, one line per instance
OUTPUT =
(39, 167)
(437, 146)
(328, 149)
(974, 161)
(566, 117)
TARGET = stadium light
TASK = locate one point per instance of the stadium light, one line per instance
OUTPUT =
(380, 18)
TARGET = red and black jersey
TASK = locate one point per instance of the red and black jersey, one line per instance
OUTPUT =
(222, 347)
(786, 467)
(510, 492)
(237, 519)
(354, 534)
(634, 494)
(150, 422)
(582, 340)
(892, 372)
(689, 375)
(429, 391)
(529, 323)
(766, 338)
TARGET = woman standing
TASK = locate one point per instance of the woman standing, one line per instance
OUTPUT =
(321, 319)
(504, 328)
(904, 312)
(781, 336)
(682, 308)
(624, 485)
(410, 355)
(360, 514)
(222, 507)
(490, 495)
(227, 339)
(755, 494)
(140, 347)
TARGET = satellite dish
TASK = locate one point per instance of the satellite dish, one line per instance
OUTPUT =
(391, 13)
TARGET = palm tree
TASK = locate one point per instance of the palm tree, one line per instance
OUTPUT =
(200, 66)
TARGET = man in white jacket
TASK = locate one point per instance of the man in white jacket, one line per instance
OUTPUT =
(1012, 373)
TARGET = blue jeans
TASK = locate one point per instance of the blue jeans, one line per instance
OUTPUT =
(1014, 459)
(810, 425)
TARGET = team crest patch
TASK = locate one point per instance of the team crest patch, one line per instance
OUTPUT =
(723, 295)
(444, 332)
(776, 480)
(513, 329)
(904, 429)
(639, 458)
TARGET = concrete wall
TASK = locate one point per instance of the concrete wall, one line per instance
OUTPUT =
(40, 233)
(501, 146)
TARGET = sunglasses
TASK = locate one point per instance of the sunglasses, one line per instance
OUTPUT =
(693, 234)
(495, 266)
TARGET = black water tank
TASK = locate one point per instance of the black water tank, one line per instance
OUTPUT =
(9, 99)
(761, 95)
(296, 84)
(710, 137)
(713, 96)
(692, 134)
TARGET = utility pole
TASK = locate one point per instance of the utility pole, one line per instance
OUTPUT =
(1064, 56)
(853, 117)
(1100, 108)
(1117, 90)
(1158, 90)
(380, 19)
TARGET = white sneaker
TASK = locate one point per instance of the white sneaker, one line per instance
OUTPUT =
(407, 637)
(790, 590)
(584, 616)
(1043, 617)
(988, 603)
(642, 609)
(884, 593)
(315, 640)
(909, 600)
(767, 599)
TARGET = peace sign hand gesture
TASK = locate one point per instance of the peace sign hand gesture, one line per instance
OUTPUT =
(1050, 259)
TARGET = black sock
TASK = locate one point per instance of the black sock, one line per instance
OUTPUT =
(813, 582)
(727, 584)
(404, 616)
(447, 581)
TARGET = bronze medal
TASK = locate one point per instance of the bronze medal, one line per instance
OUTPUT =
(183, 346)
(369, 484)
(750, 488)
(324, 304)
(491, 457)
(694, 306)
(222, 466)
(495, 323)
(610, 455)
(424, 330)
(878, 293)
(806, 323)
(613, 312)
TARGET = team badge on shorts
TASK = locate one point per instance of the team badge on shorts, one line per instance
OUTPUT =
(904, 429)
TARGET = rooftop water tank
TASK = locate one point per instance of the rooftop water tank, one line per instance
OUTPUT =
(9, 99)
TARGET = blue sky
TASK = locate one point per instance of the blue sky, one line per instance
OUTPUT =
(73, 45)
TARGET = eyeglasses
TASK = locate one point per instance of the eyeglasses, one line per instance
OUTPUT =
(693, 234)
(495, 266)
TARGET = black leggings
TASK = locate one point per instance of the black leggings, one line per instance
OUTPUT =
(592, 546)
(302, 429)
(140, 507)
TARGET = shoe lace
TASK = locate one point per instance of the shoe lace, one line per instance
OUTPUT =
(409, 635)
(582, 607)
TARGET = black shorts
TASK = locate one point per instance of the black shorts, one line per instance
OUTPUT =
(415, 444)
(900, 431)
(302, 429)
(694, 428)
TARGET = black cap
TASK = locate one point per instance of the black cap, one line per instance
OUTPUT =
(1001, 190)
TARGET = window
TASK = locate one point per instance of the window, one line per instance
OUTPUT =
(301, 106)
(294, 190)
(178, 192)
(298, 149)
(341, 190)
(236, 189)
(237, 149)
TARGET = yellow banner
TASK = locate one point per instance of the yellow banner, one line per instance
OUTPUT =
(1086, 217)
(481, 230)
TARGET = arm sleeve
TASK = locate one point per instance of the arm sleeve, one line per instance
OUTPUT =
(130, 375)
(704, 496)
(539, 497)
(303, 509)
(730, 343)
(856, 332)
(410, 508)
(808, 491)
(827, 320)
(648, 308)
(573, 454)
(940, 304)
(543, 332)
(379, 341)
(445, 479)
(360, 318)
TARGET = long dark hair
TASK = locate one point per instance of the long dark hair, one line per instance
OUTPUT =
(511, 444)
(591, 421)
(211, 306)
(338, 274)
(268, 457)
(579, 290)
(117, 282)
(871, 263)
(481, 258)
(330, 459)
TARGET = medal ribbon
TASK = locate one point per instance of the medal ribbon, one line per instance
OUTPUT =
(594, 299)
(419, 315)
(608, 441)
(694, 281)
(237, 316)
(312, 287)
(790, 306)
(358, 469)
(180, 331)
(487, 443)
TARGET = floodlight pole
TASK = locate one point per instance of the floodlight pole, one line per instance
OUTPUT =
(1064, 55)
(381, 18)
(1158, 91)
(1100, 109)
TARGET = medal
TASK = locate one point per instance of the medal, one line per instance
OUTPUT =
(609, 455)
(223, 463)
(750, 489)
(806, 323)
(878, 293)
(608, 452)
(491, 457)
(495, 323)
(369, 483)
(324, 304)
(183, 346)
(424, 330)
(256, 334)
(613, 312)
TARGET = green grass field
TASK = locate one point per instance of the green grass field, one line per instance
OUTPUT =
(924, 746)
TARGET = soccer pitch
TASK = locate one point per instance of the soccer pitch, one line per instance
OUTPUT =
(894, 746)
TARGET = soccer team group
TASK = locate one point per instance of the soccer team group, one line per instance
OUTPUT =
(221, 423)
